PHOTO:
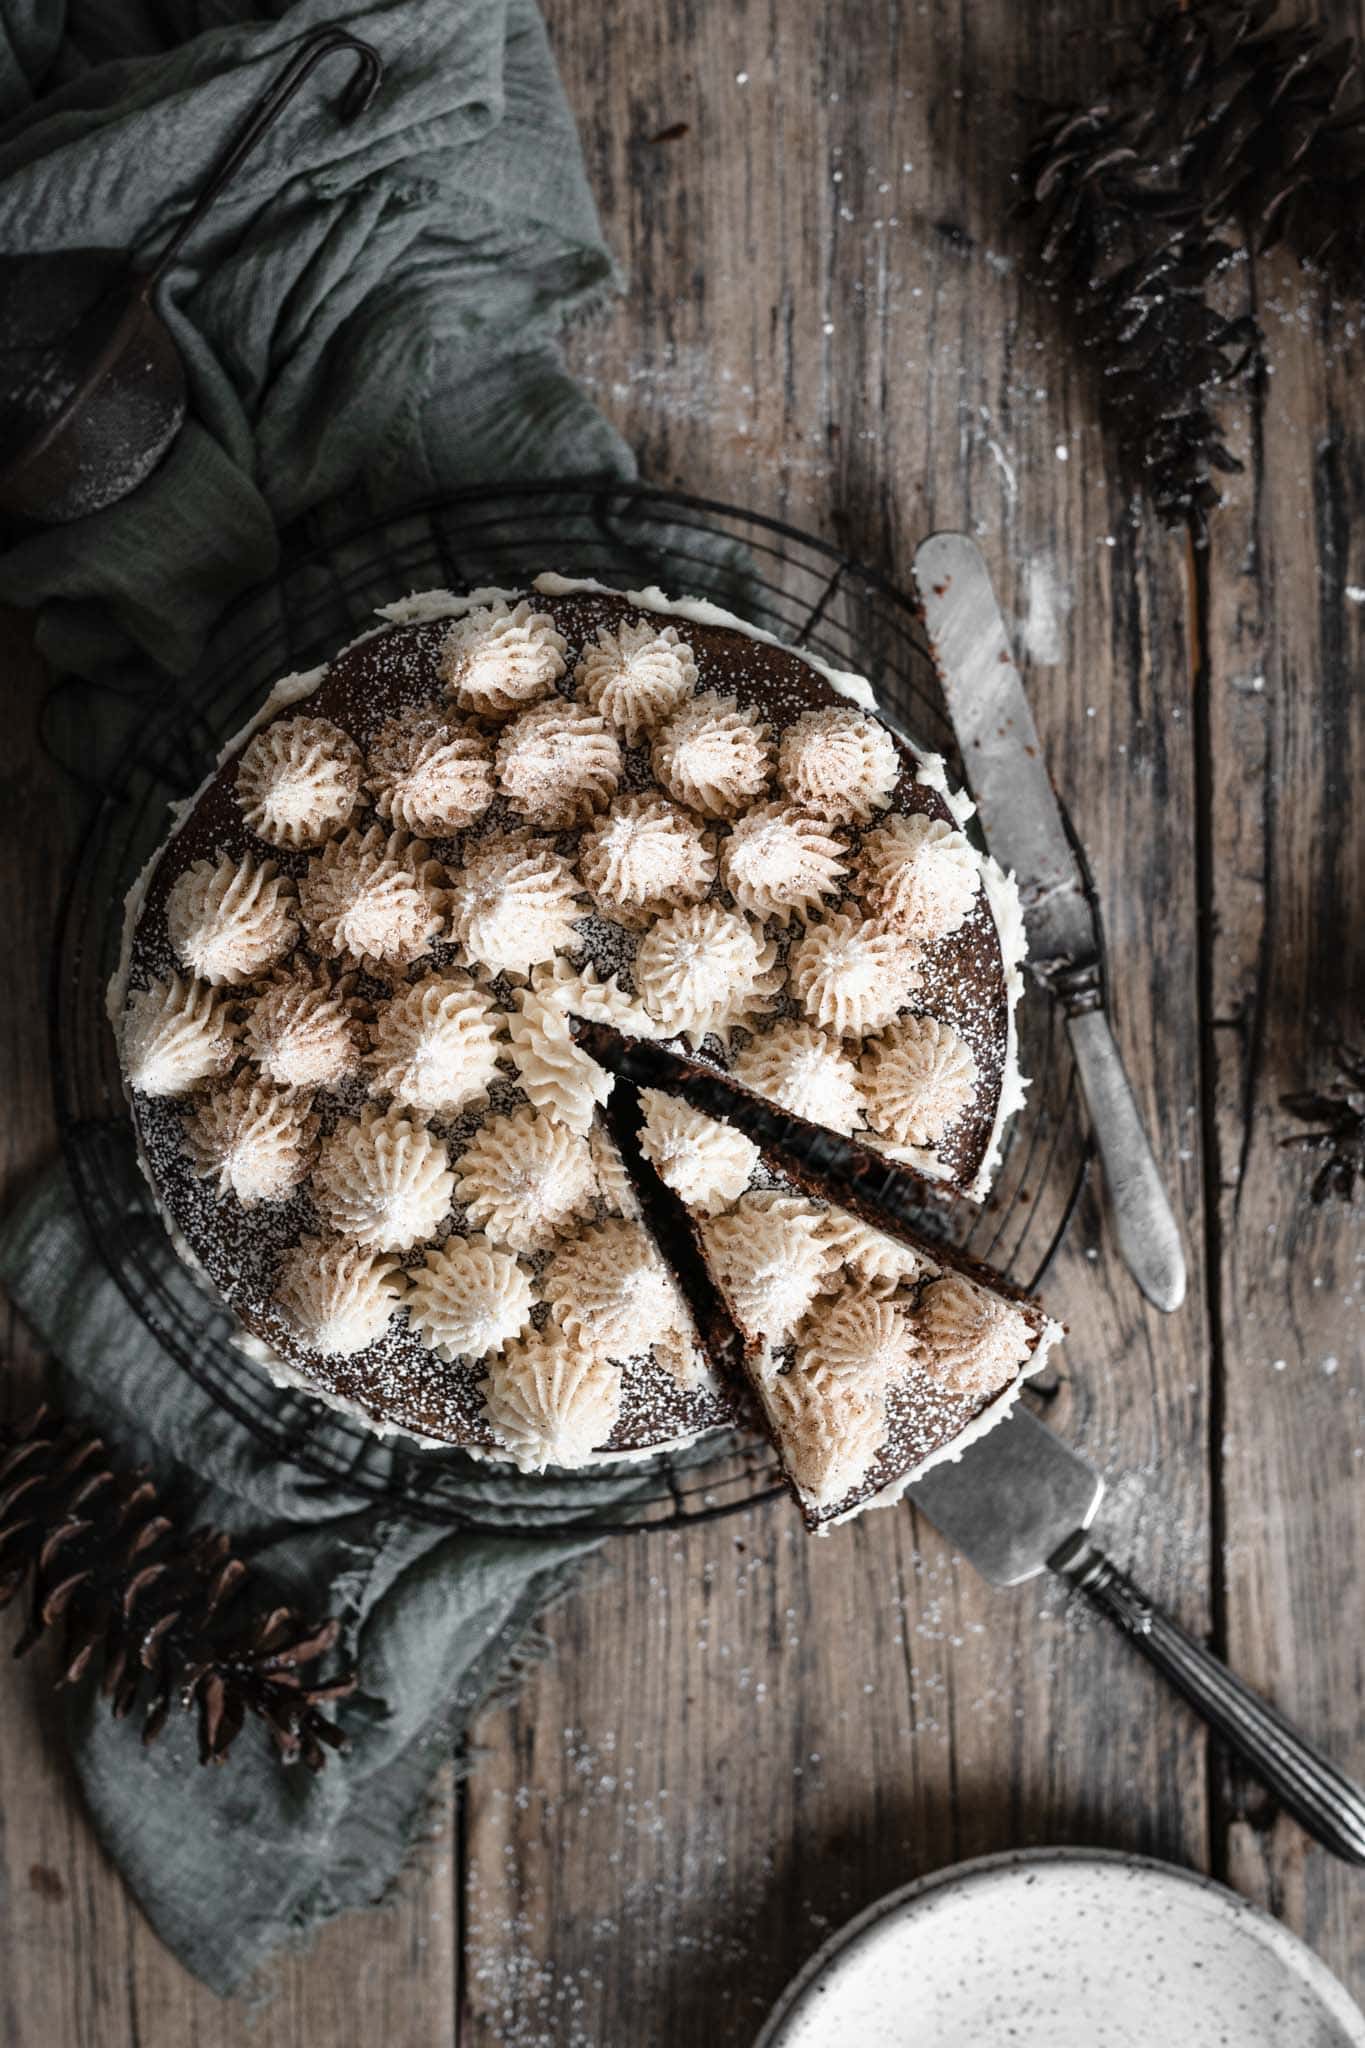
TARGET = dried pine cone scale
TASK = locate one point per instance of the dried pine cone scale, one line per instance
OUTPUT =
(1339, 1110)
(105, 1561)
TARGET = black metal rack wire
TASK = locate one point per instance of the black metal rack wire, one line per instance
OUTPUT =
(333, 576)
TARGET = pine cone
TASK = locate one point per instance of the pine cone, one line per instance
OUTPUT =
(1340, 1110)
(107, 1563)
(1260, 123)
(1131, 260)
(1220, 120)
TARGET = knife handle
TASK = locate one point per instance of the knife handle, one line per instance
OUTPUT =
(1305, 1782)
(1143, 1220)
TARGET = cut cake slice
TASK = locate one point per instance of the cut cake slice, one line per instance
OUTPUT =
(872, 1350)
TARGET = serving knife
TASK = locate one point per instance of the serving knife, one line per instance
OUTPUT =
(1021, 1502)
(1024, 831)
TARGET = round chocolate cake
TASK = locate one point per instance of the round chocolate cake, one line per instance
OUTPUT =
(343, 1006)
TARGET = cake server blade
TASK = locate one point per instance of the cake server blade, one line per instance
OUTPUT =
(1012, 1500)
(1019, 1502)
(1022, 822)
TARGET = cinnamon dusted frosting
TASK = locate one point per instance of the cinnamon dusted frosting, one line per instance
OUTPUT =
(852, 975)
(714, 757)
(501, 657)
(468, 1299)
(647, 856)
(778, 862)
(708, 1164)
(558, 764)
(230, 920)
(636, 675)
(917, 1077)
(299, 781)
(839, 763)
(552, 1401)
(175, 1036)
(429, 774)
(806, 1071)
(373, 899)
(514, 902)
(345, 1024)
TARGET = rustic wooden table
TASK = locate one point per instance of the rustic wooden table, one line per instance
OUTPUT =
(742, 1737)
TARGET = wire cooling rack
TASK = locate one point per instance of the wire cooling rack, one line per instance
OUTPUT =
(334, 574)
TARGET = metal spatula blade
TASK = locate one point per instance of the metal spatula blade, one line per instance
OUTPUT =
(1016, 1499)
(1019, 1502)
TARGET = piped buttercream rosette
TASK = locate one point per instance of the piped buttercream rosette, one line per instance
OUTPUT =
(809, 1073)
(706, 1163)
(853, 977)
(770, 1261)
(614, 1184)
(335, 1296)
(714, 757)
(827, 1446)
(972, 1342)
(514, 903)
(525, 1180)
(646, 856)
(304, 1029)
(175, 1035)
(917, 1079)
(229, 920)
(550, 1401)
(609, 1288)
(856, 1338)
(557, 764)
(383, 1180)
(919, 875)
(373, 899)
(251, 1140)
(435, 1045)
(782, 863)
(839, 763)
(881, 1262)
(703, 969)
(429, 774)
(298, 781)
(636, 676)
(555, 1075)
(468, 1299)
(498, 658)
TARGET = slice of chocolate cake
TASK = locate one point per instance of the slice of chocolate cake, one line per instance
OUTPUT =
(873, 1351)
(347, 978)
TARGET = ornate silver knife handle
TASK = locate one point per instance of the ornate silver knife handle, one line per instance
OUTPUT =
(1305, 1782)
(1143, 1220)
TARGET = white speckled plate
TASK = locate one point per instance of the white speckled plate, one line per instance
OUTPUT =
(1064, 1948)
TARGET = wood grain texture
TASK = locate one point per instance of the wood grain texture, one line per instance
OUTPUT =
(1286, 891)
(744, 1736)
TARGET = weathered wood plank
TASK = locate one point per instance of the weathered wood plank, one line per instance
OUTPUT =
(1287, 748)
(79, 1966)
(737, 1747)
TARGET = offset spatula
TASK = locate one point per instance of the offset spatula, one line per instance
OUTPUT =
(1020, 1502)
(1023, 825)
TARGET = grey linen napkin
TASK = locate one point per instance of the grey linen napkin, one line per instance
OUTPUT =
(370, 316)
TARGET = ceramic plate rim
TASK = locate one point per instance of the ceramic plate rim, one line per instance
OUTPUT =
(1289, 1950)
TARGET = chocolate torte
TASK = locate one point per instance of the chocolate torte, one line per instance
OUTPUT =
(344, 1011)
